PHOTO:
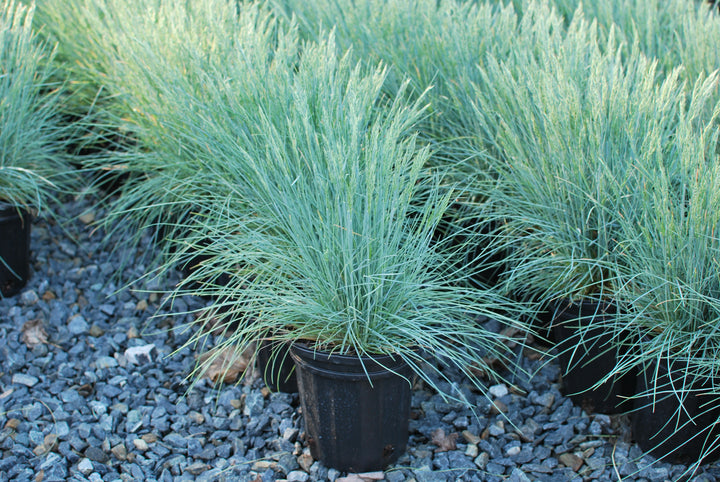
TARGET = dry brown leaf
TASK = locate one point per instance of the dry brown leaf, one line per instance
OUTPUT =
(33, 333)
(494, 364)
(51, 442)
(226, 364)
(445, 442)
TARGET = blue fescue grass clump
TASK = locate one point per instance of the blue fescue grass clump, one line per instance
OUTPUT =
(33, 161)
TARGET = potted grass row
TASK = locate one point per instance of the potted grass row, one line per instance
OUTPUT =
(599, 192)
(34, 165)
(353, 171)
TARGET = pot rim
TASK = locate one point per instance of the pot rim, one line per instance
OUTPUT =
(348, 366)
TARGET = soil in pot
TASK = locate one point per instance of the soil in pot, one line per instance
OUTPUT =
(14, 249)
(682, 428)
(356, 409)
(278, 373)
(587, 353)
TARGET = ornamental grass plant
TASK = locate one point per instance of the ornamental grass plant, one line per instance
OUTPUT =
(33, 164)
(567, 130)
(167, 59)
(570, 130)
(85, 40)
(436, 45)
(337, 252)
(430, 43)
(678, 33)
(671, 250)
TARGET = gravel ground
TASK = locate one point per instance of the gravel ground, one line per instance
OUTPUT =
(89, 391)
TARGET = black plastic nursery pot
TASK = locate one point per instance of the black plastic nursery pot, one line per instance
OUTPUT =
(487, 268)
(587, 354)
(356, 409)
(193, 261)
(681, 428)
(540, 322)
(14, 249)
(278, 372)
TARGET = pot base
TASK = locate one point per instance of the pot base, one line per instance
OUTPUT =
(14, 249)
(279, 373)
(687, 432)
(586, 355)
(356, 409)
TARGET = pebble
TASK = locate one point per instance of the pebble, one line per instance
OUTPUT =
(62, 429)
(105, 362)
(96, 454)
(513, 451)
(305, 461)
(545, 400)
(497, 429)
(77, 325)
(29, 297)
(87, 218)
(517, 475)
(85, 466)
(23, 379)
(140, 444)
(498, 407)
(472, 451)
(498, 391)
(571, 460)
(139, 355)
(297, 476)
(482, 460)
(120, 452)
(197, 468)
(133, 421)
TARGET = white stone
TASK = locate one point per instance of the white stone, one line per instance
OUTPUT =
(512, 451)
(140, 444)
(139, 355)
(378, 475)
(297, 476)
(472, 451)
(29, 297)
(85, 466)
(290, 434)
(498, 391)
